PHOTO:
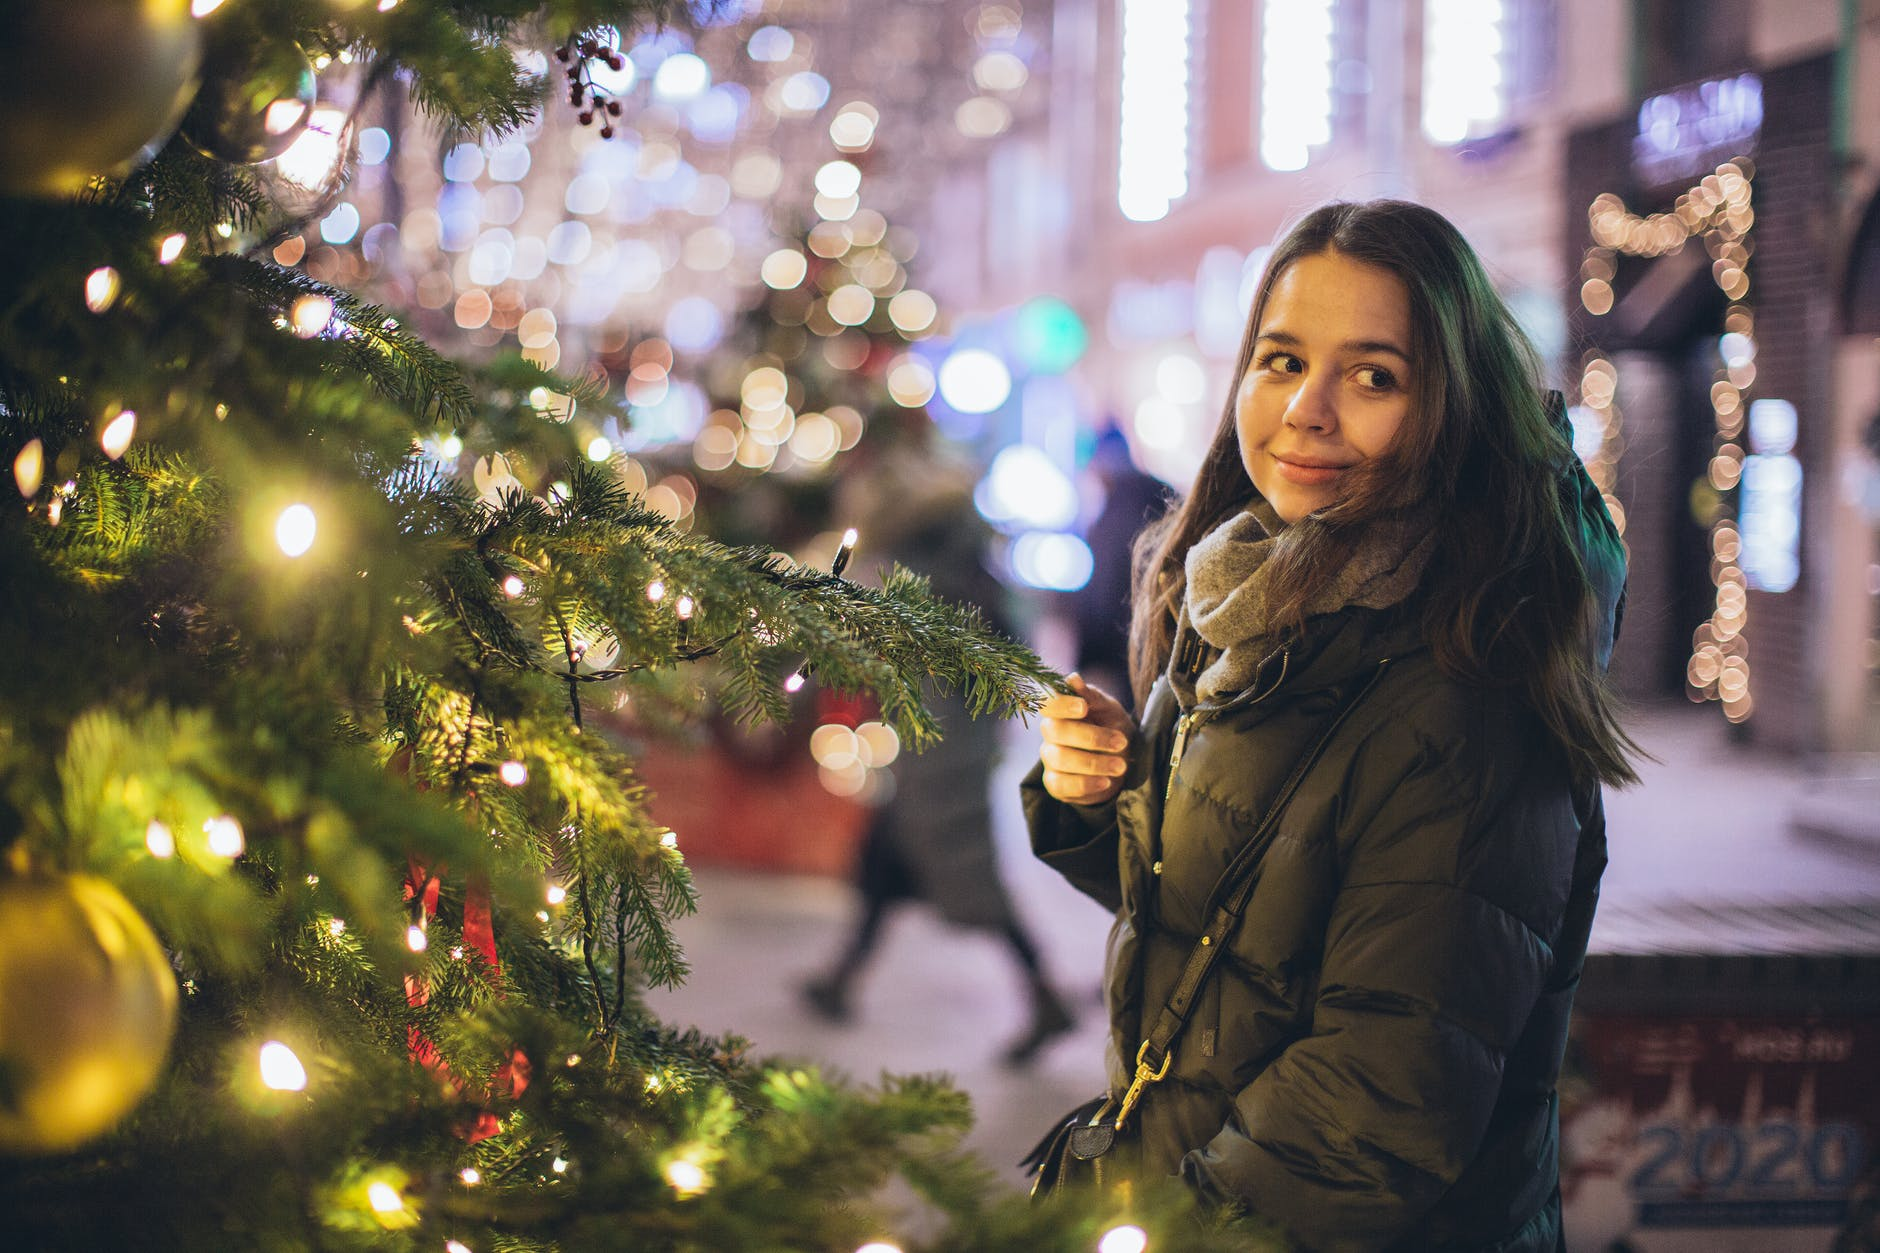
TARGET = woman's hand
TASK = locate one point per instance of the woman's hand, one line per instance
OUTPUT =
(1086, 742)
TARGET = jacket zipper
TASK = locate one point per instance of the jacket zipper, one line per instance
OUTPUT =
(1193, 718)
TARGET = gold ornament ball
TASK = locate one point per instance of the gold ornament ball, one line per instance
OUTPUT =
(257, 95)
(87, 1009)
(89, 87)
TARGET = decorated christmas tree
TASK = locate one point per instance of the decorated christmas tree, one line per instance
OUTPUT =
(324, 913)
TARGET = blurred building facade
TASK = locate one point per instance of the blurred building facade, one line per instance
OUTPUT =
(1712, 321)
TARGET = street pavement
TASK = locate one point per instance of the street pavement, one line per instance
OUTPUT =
(1721, 849)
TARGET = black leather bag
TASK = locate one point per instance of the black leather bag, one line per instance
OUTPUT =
(1076, 1151)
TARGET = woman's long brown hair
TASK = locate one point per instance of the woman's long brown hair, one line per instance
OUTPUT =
(1506, 598)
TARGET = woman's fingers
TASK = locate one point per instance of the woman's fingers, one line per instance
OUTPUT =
(1076, 761)
(1060, 706)
(1080, 734)
(1082, 789)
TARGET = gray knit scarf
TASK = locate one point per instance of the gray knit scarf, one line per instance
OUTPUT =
(1227, 605)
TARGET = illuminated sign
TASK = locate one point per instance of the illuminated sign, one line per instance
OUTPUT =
(1687, 131)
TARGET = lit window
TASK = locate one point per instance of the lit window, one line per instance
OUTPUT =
(1465, 78)
(1295, 82)
(1152, 165)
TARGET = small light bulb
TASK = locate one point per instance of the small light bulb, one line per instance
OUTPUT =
(227, 229)
(471, 1176)
(684, 607)
(336, 927)
(574, 1059)
(669, 840)
(280, 1069)
(384, 1198)
(450, 1246)
(513, 773)
(203, 8)
(225, 836)
(560, 1166)
(101, 288)
(158, 840)
(29, 468)
(171, 248)
(386, 6)
(879, 1246)
(599, 448)
(451, 447)
(686, 1177)
(656, 591)
(116, 436)
(541, 915)
(794, 683)
(294, 530)
(512, 587)
(415, 939)
(310, 315)
(1124, 1239)
(456, 952)
(557, 894)
(849, 537)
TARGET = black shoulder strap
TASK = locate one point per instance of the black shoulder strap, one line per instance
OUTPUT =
(1229, 901)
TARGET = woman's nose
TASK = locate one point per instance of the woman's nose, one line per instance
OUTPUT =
(1312, 407)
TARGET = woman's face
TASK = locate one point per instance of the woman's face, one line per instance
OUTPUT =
(1329, 383)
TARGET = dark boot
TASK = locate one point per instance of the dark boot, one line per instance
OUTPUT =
(1050, 1018)
(827, 997)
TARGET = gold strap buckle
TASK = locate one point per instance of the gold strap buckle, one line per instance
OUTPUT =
(1144, 1077)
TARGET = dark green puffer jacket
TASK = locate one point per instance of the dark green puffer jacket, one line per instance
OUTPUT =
(1372, 1062)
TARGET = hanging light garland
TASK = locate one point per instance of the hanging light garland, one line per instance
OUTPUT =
(1716, 210)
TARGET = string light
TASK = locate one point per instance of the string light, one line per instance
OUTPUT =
(29, 468)
(1124, 1239)
(117, 433)
(794, 683)
(556, 894)
(684, 607)
(336, 927)
(844, 551)
(686, 1177)
(1717, 210)
(280, 1069)
(669, 840)
(656, 591)
(879, 1246)
(384, 1198)
(171, 247)
(512, 587)
(415, 938)
(450, 1246)
(513, 773)
(225, 836)
(310, 315)
(294, 530)
(559, 1165)
(471, 1176)
(101, 288)
(159, 840)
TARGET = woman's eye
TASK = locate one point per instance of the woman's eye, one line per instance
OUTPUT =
(1376, 378)
(1284, 362)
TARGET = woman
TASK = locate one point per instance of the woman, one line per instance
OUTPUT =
(1369, 651)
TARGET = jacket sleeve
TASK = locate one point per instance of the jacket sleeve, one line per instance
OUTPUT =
(1077, 841)
(1358, 1128)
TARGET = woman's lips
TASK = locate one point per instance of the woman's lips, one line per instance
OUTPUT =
(1308, 475)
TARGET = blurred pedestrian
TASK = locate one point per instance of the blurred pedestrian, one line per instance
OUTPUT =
(1100, 609)
(931, 840)
(1355, 841)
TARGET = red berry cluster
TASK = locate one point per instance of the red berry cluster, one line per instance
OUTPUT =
(582, 93)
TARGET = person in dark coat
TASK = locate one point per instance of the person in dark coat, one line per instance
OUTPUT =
(1100, 608)
(1369, 648)
(931, 840)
